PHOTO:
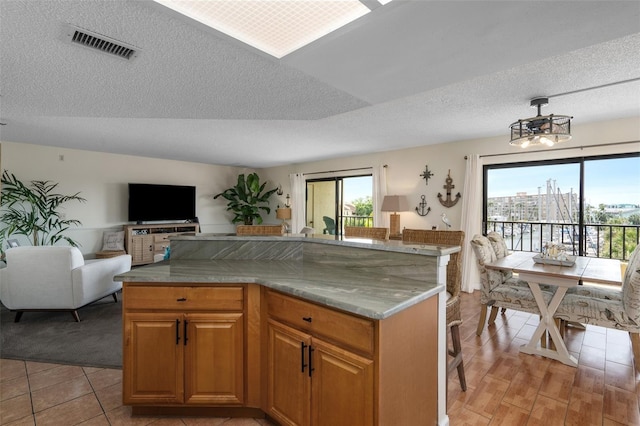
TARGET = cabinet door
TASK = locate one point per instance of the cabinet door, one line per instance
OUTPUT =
(153, 358)
(289, 384)
(214, 358)
(141, 249)
(342, 387)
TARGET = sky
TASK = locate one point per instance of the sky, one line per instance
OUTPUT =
(609, 181)
(357, 187)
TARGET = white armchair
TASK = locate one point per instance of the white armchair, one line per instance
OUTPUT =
(51, 278)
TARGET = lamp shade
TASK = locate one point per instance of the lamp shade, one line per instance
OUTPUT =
(284, 213)
(395, 203)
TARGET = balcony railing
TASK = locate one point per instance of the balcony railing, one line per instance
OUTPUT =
(357, 221)
(597, 240)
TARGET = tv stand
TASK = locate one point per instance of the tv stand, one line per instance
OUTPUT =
(143, 242)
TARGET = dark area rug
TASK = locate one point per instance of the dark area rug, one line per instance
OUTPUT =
(55, 337)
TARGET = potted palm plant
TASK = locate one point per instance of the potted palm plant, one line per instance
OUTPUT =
(247, 198)
(32, 210)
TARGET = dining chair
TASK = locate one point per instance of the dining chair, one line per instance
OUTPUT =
(454, 285)
(375, 233)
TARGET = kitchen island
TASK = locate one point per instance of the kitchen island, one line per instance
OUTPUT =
(306, 330)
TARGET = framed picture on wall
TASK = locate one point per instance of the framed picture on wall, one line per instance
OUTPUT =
(13, 243)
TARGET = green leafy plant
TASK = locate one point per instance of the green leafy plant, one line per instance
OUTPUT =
(32, 210)
(247, 198)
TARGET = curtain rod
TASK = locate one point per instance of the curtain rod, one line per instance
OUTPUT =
(557, 149)
(336, 171)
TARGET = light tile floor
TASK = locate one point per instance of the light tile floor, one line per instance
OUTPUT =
(504, 386)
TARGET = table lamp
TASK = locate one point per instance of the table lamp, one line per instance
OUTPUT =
(284, 214)
(395, 204)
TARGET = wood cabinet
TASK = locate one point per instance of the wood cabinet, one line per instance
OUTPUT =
(238, 347)
(312, 381)
(142, 242)
(183, 345)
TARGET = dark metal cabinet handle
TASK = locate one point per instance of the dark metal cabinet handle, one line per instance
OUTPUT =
(307, 319)
(302, 348)
(185, 332)
(182, 299)
(311, 360)
(177, 332)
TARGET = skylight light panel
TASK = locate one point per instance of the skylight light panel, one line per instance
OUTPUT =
(277, 27)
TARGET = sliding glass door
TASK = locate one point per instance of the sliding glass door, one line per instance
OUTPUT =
(336, 202)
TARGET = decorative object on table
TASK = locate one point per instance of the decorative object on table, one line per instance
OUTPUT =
(542, 129)
(426, 174)
(306, 230)
(445, 220)
(554, 254)
(395, 204)
(279, 191)
(32, 210)
(422, 208)
(247, 198)
(448, 202)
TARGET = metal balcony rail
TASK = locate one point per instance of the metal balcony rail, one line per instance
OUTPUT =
(612, 241)
(357, 221)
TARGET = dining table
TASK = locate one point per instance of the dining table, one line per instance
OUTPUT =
(562, 277)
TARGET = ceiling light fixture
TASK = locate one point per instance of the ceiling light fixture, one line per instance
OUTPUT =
(277, 27)
(541, 129)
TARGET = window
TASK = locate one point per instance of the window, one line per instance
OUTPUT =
(591, 205)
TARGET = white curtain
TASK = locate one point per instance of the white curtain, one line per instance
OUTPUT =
(471, 221)
(379, 191)
(298, 189)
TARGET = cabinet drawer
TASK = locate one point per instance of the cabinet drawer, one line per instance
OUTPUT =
(345, 329)
(183, 298)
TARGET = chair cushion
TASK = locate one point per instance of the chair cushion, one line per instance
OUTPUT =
(605, 292)
(631, 287)
(601, 312)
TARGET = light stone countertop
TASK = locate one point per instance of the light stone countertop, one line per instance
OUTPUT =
(375, 279)
(370, 295)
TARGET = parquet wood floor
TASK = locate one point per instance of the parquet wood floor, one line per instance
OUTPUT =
(504, 386)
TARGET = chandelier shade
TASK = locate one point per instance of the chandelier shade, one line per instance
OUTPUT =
(542, 129)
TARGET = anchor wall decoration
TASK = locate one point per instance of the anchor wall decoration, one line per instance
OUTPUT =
(422, 208)
(448, 202)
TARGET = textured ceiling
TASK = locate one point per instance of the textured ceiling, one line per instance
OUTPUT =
(410, 73)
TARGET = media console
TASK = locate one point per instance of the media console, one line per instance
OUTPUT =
(142, 242)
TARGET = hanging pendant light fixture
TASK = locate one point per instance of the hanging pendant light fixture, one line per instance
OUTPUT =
(541, 129)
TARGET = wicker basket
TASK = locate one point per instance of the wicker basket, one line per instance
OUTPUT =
(260, 230)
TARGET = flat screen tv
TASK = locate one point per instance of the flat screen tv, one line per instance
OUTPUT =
(152, 202)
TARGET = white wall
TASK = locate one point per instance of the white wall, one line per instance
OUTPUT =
(102, 179)
(405, 166)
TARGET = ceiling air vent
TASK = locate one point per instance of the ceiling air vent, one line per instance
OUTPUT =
(101, 43)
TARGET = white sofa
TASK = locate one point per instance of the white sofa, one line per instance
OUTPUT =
(51, 278)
